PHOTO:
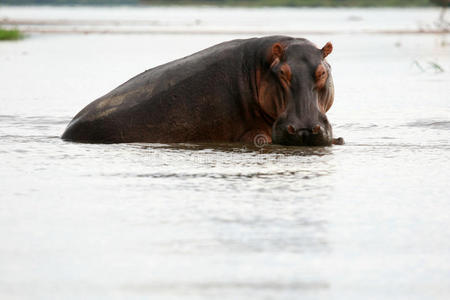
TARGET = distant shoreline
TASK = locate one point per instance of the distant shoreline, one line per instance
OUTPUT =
(108, 26)
(226, 3)
(225, 32)
(153, 20)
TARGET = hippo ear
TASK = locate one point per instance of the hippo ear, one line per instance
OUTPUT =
(277, 54)
(327, 49)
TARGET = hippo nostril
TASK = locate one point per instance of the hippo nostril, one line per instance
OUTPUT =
(290, 129)
(316, 129)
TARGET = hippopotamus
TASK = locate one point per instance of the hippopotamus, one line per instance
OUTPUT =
(275, 87)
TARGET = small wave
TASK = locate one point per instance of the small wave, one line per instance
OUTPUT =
(225, 285)
(430, 124)
(36, 120)
(241, 148)
(215, 175)
(260, 175)
(356, 126)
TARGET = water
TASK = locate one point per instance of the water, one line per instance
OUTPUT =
(367, 220)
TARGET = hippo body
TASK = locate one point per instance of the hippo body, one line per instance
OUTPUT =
(231, 92)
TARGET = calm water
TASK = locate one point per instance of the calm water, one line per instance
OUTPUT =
(367, 220)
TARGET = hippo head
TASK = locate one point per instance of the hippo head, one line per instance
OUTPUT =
(298, 90)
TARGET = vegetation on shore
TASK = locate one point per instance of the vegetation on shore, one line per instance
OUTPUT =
(251, 3)
(299, 3)
(10, 34)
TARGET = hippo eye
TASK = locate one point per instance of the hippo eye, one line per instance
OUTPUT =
(285, 73)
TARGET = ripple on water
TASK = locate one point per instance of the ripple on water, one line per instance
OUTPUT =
(36, 120)
(30, 129)
(225, 285)
(432, 124)
(356, 126)
(259, 175)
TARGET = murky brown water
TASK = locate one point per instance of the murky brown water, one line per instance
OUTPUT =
(367, 220)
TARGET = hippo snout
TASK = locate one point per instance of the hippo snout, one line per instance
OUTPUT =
(317, 135)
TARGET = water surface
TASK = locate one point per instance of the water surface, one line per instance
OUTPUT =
(367, 220)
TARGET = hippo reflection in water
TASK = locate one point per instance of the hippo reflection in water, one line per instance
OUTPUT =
(275, 87)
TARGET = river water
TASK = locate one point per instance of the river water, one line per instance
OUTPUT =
(366, 220)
